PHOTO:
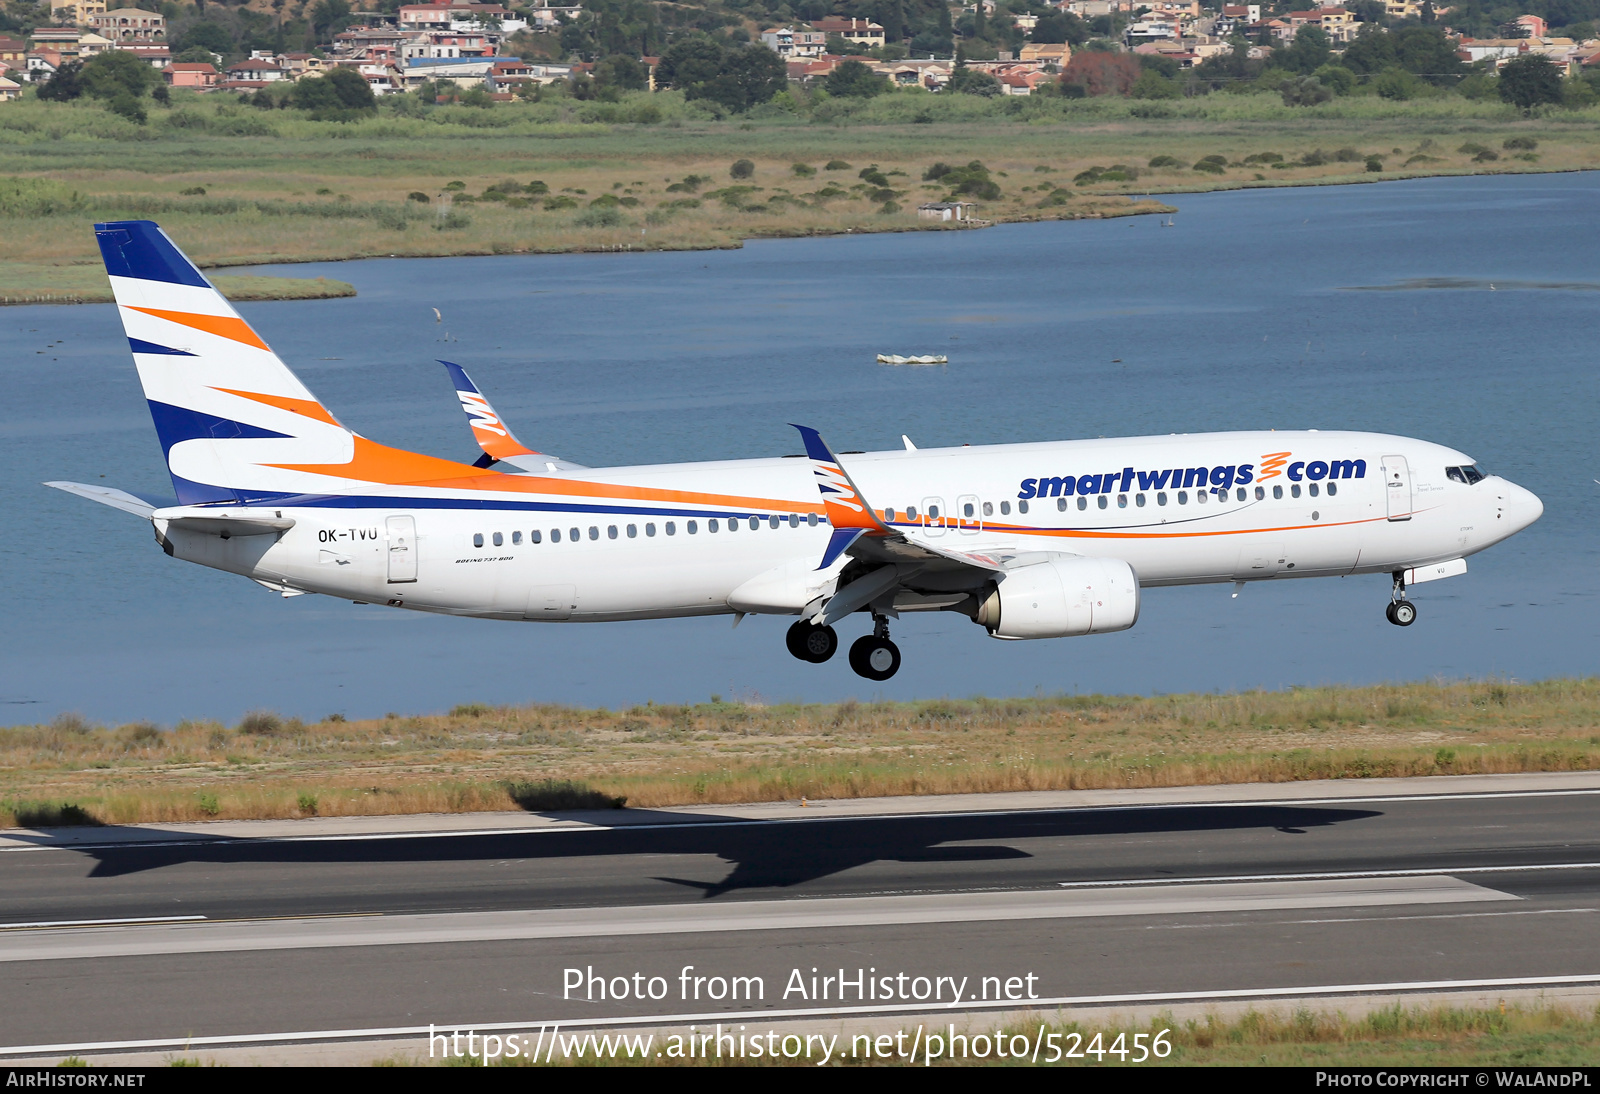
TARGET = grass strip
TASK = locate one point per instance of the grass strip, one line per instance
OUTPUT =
(544, 757)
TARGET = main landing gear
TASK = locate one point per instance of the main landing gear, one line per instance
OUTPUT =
(872, 656)
(810, 642)
(1401, 612)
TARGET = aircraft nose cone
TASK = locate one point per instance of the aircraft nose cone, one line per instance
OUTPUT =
(1522, 506)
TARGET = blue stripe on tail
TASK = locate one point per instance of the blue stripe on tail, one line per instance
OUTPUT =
(139, 248)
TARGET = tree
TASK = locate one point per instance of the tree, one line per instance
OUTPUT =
(206, 35)
(620, 72)
(736, 77)
(1102, 73)
(65, 85)
(117, 72)
(1308, 52)
(1060, 27)
(852, 79)
(970, 81)
(1529, 81)
(340, 96)
(1152, 85)
(1304, 91)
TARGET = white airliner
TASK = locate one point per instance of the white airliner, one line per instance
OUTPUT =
(1039, 540)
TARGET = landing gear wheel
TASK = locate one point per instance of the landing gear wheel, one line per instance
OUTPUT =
(875, 658)
(1402, 613)
(811, 643)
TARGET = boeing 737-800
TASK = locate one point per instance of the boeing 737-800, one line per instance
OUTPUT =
(1042, 540)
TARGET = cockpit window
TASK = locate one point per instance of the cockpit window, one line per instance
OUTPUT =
(1469, 474)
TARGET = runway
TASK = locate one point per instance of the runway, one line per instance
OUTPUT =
(1171, 895)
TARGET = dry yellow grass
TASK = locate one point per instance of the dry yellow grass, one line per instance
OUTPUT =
(475, 757)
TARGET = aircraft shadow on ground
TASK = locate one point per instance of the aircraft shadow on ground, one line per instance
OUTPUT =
(764, 854)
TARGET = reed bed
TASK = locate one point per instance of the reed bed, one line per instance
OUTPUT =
(498, 758)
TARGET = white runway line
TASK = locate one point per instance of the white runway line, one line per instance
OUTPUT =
(750, 915)
(185, 1044)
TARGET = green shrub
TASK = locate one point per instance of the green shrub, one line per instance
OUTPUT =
(193, 192)
(1165, 161)
(262, 723)
(742, 169)
(307, 803)
(207, 803)
(604, 217)
(1527, 144)
(418, 195)
(802, 170)
(1210, 167)
(551, 795)
(836, 165)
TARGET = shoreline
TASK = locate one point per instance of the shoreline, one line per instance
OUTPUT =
(282, 288)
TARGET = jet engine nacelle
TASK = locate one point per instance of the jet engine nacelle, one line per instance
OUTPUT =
(1060, 598)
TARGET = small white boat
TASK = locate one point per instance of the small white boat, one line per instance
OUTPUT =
(924, 359)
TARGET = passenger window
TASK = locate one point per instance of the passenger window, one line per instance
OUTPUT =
(1161, 498)
(499, 540)
(1122, 501)
(1333, 488)
(1241, 494)
(535, 535)
(733, 524)
(477, 539)
(693, 527)
(650, 530)
(755, 522)
(794, 520)
(1312, 489)
(933, 512)
(811, 519)
(1022, 507)
(968, 511)
(1261, 493)
(1277, 492)
(633, 531)
(1005, 509)
(1294, 491)
(911, 512)
(888, 516)
(555, 535)
(672, 528)
(712, 525)
(773, 521)
(594, 531)
(1083, 503)
(1102, 500)
(1061, 504)
(1138, 499)
(1200, 497)
(516, 537)
(574, 535)
(988, 508)
(1183, 497)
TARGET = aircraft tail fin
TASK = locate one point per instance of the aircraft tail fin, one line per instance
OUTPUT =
(491, 432)
(225, 407)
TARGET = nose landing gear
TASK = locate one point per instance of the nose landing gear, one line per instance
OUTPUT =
(811, 643)
(1401, 612)
(873, 655)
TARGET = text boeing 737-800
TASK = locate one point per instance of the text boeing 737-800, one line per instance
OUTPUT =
(1028, 540)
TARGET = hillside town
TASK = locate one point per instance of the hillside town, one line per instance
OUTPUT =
(467, 45)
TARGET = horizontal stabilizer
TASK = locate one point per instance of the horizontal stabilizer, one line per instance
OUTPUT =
(224, 522)
(117, 499)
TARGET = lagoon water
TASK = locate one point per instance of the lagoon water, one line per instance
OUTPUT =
(1459, 310)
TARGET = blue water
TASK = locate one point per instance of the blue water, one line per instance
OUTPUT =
(1242, 315)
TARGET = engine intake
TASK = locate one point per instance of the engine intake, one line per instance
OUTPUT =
(1060, 598)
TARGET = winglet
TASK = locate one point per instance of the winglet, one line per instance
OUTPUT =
(849, 514)
(491, 433)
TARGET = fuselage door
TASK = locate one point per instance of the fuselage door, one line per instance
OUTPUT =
(933, 516)
(402, 549)
(1397, 486)
(969, 517)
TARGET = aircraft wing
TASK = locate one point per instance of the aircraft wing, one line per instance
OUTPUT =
(492, 433)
